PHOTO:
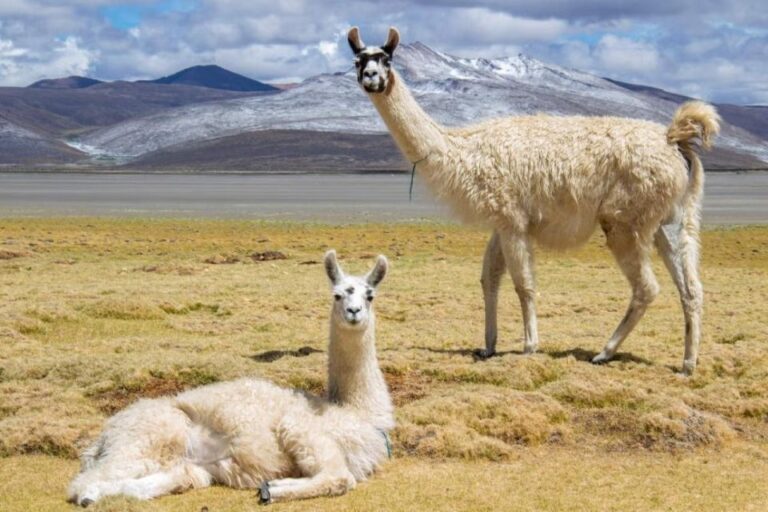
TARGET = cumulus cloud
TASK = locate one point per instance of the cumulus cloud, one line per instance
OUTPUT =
(584, 10)
(622, 54)
(717, 49)
(480, 25)
(21, 66)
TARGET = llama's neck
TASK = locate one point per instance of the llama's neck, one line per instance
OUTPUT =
(354, 378)
(417, 135)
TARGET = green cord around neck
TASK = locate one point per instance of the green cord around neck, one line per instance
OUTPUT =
(413, 172)
(387, 442)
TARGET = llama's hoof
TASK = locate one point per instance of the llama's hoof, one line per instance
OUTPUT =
(688, 368)
(482, 354)
(86, 502)
(530, 350)
(601, 358)
(264, 496)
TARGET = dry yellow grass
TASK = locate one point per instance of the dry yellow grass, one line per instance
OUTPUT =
(537, 479)
(96, 313)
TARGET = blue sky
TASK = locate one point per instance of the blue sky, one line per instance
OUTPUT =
(716, 50)
(125, 16)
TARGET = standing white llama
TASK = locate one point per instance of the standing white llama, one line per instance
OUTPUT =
(251, 433)
(552, 180)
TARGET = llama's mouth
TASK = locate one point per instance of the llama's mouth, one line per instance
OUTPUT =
(373, 87)
(355, 322)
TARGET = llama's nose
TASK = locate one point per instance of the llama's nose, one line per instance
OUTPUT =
(353, 311)
(370, 73)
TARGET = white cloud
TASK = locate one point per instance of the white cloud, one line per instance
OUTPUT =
(9, 51)
(715, 47)
(699, 47)
(21, 66)
(577, 54)
(622, 54)
(478, 25)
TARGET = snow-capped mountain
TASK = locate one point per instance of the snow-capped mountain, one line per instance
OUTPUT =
(455, 91)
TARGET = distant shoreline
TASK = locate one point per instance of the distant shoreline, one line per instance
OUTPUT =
(203, 173)
(176, 172)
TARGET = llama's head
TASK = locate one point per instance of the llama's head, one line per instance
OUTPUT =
(352, 295)
(373, 64)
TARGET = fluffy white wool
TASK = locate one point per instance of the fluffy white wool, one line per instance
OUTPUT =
(250, 431)
(552, 180)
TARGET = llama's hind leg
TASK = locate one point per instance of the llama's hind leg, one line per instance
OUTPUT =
(679, 250)
(139, 441)
(493, 270)
(518, 256)
(86, 488)
(179, 478)
(631, 253)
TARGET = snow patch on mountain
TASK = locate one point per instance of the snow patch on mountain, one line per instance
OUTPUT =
(455, 91)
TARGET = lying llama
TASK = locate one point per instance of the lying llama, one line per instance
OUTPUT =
(251, 433)
(552, 180)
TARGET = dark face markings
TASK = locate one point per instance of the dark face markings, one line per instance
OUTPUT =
(377, 55)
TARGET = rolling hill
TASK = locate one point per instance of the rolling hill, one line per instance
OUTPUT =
(21, 146)
(215, 77)
(58, 112)
(455, 91)
(70, 82)
(208, 118)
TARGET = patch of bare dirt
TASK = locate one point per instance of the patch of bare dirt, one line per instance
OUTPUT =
(123, 394)
(273, 355)
(222, 259)
(181, 270)
(6, 254)
(268, 256)
(405, 387)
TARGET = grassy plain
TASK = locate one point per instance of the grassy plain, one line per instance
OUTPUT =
(95, 313)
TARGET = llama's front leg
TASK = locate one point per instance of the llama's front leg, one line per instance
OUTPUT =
(327, 483)
(518, 255)
(493, 270)
(317, 456)
(631, 253)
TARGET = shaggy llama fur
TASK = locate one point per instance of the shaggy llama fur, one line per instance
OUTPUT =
(551, 180)
(252, 434)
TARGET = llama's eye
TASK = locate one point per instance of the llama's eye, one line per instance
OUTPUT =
(370, 298)
(357, 63)
(337, 296)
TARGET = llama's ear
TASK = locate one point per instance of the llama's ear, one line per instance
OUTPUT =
(376, 275)
(393, 39)
(332, 268)
(353, 38)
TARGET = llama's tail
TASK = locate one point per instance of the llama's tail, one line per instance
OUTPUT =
(693, 120)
